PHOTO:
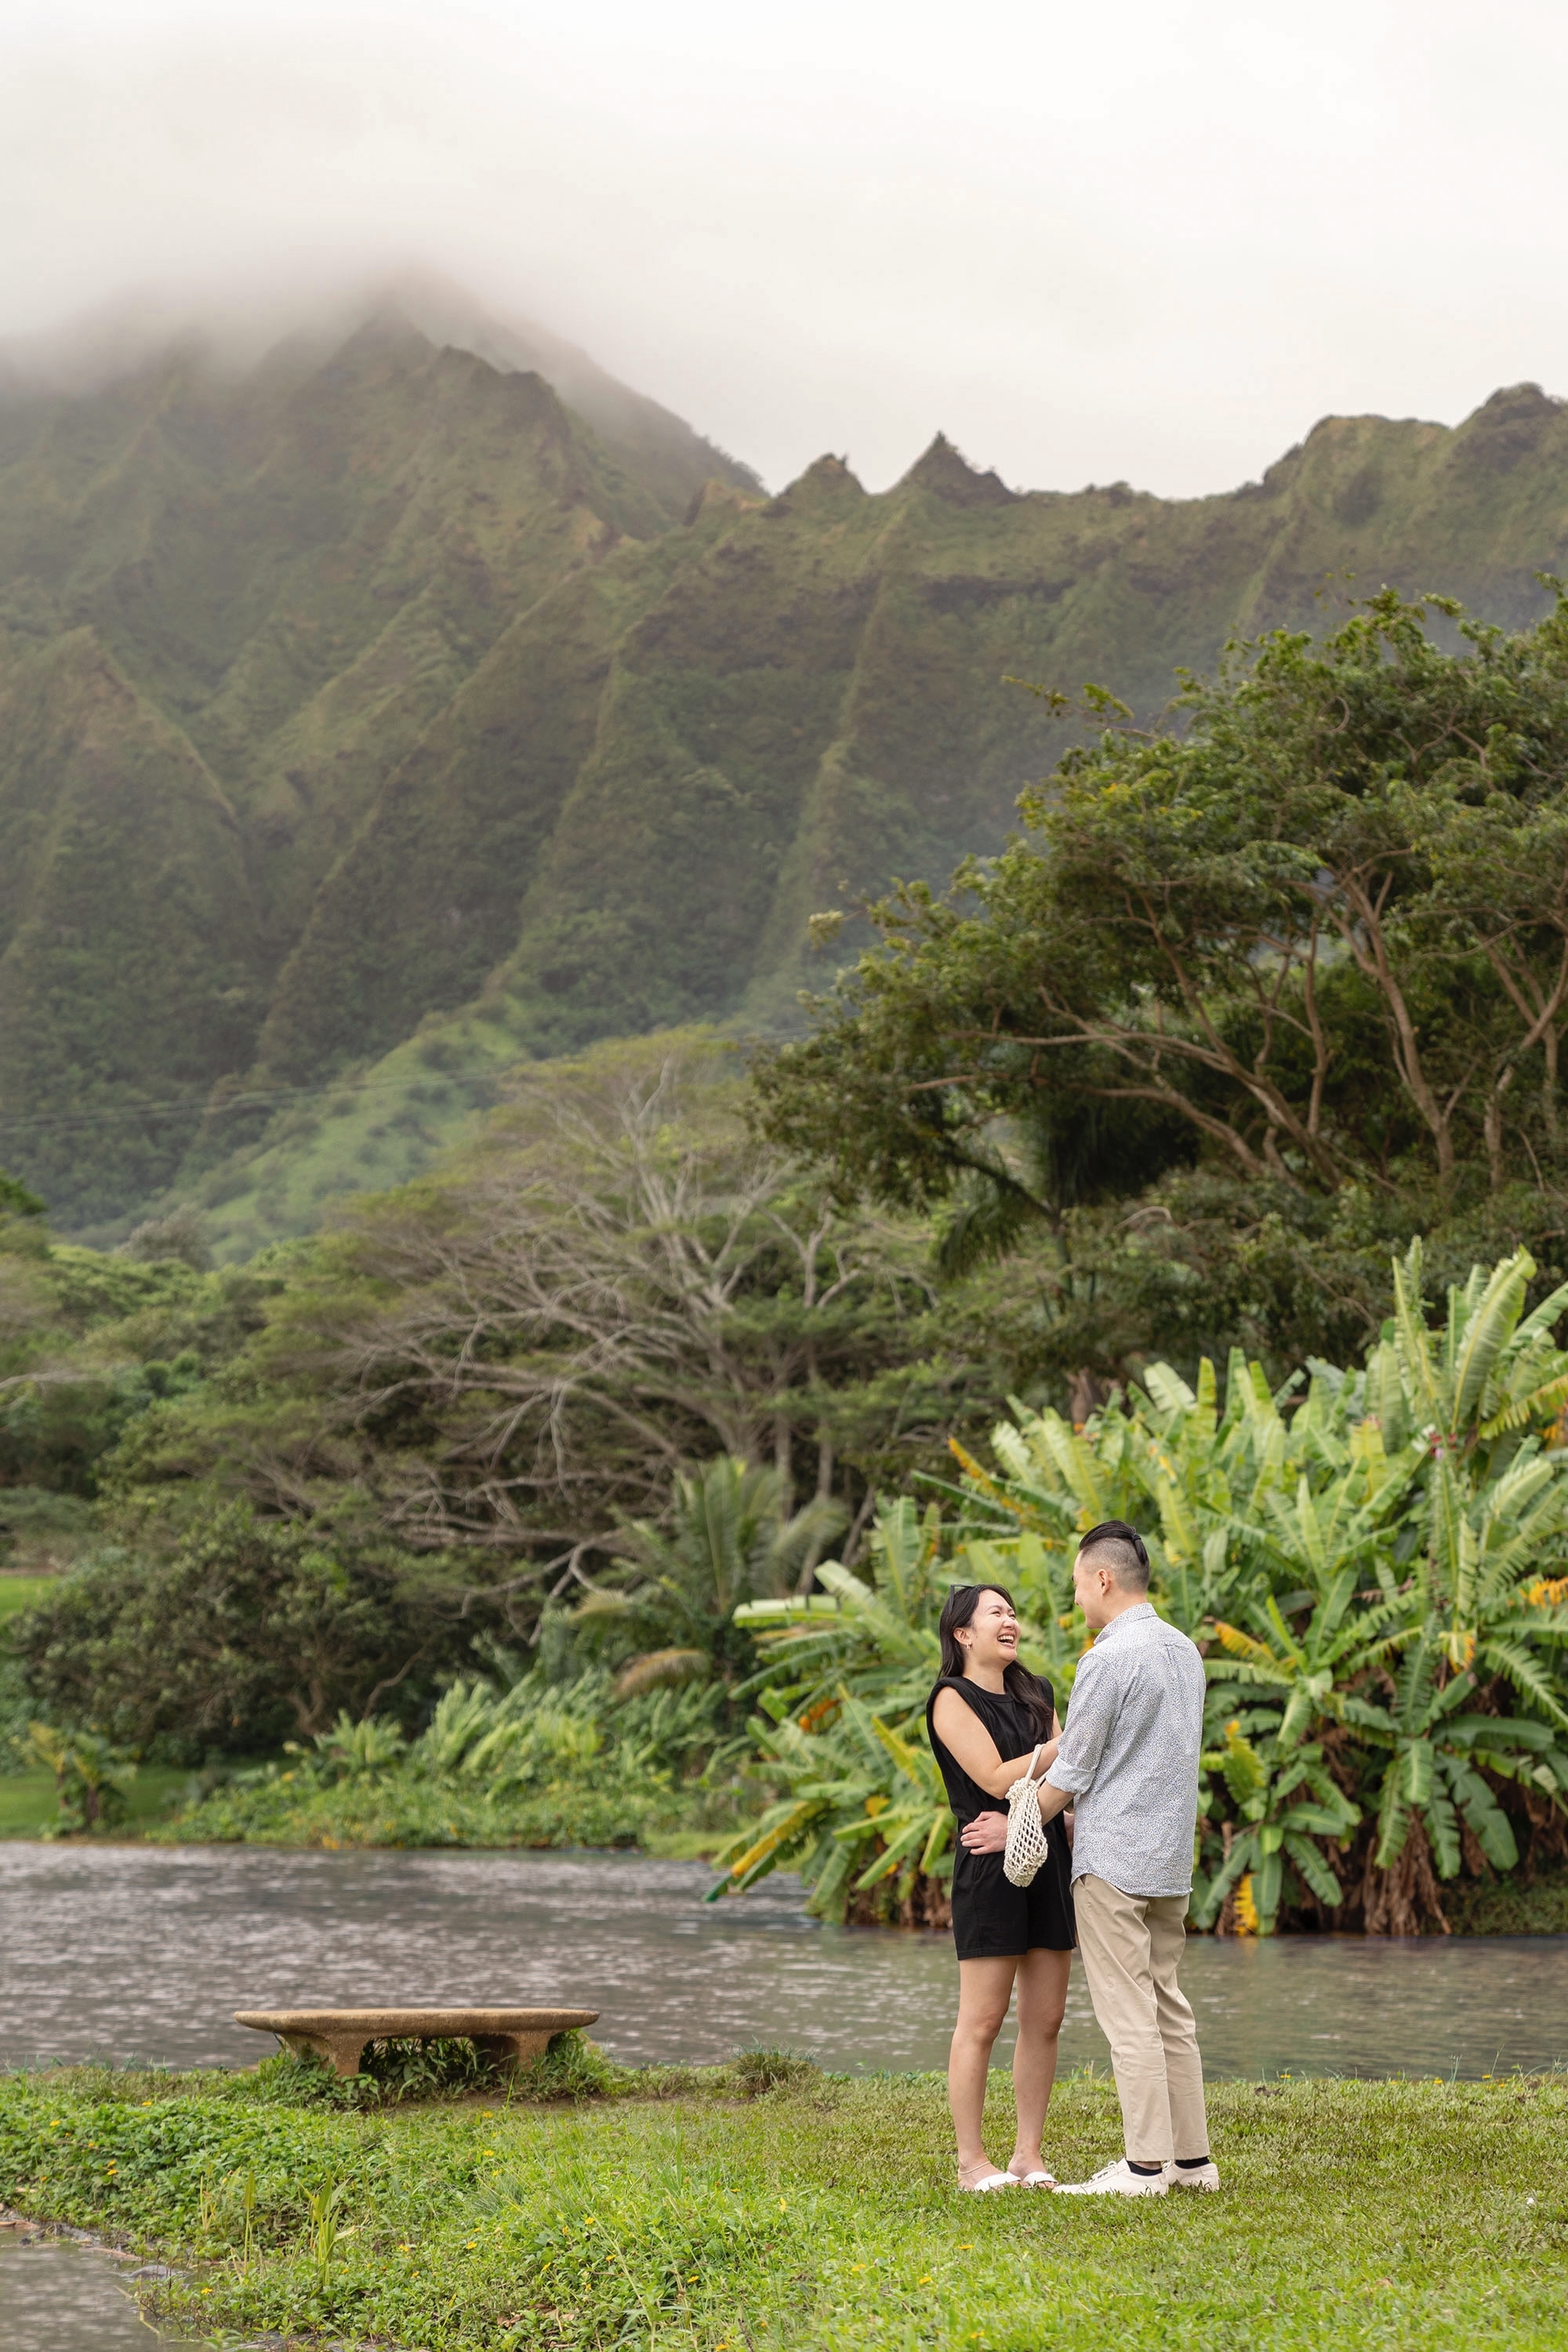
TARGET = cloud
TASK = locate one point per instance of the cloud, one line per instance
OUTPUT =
(1150, 241)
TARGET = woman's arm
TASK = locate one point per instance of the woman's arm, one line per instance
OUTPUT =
(969, 1743)
(988, 1833)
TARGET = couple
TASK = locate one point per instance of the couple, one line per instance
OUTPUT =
(1128, 1762)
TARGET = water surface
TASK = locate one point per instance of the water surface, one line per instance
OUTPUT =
(143, 1953)
(60, 2297)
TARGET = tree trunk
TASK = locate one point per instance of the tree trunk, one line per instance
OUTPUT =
(1404, 1901)
(825, 1459)
(784, 1464)
(1085, 1393)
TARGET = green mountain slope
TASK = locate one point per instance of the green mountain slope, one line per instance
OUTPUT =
(255, 592)
(783, 704)
(128, 965)
(366, 683)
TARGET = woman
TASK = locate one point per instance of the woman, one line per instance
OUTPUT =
(985, 1716)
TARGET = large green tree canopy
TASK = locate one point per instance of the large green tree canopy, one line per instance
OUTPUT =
(1314, 944)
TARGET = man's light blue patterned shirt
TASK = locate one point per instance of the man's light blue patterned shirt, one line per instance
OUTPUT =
(1128, 1756)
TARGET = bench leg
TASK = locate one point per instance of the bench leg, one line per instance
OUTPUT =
(513, 2049)
(342, 2051)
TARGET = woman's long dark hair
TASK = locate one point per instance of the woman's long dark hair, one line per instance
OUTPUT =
(1016, 1681)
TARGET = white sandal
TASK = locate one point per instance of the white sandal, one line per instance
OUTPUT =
(1040, 2180)
(992, 2180)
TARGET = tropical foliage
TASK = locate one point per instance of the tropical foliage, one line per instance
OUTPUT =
(486, 1401)
(1297, 973)
(518, 1761)
(1375, 1563)
(726, 1539)
(91, 1776)
(862, 1815)
(236, 1631)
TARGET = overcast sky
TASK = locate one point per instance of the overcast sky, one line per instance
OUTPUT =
(1135, 239)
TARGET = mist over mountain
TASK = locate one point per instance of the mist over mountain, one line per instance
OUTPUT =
(406, 661)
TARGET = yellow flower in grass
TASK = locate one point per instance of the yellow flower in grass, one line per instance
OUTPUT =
(1246, 1920)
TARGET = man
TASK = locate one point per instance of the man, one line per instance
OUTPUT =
(1128, 1763)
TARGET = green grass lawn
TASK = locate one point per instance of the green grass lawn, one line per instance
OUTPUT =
(19, 1592)
(1507, 1906)
(818, 2215)
(27, 1800)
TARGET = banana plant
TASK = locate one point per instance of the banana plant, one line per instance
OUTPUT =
(1484, 1544)
(843, 1686)
(1285, 1797)
(1436, 1754)
(1295, 1682)
(1203, 1486)
(852, 1784)
(1309, 1674)
(1375, 1560)
(1489, 1373)
(878, 1639)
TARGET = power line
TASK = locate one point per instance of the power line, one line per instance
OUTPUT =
(274, 1100)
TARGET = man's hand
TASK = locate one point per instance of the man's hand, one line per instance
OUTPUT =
(986, 1834)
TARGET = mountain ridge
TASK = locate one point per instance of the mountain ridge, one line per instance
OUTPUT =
(352, 688)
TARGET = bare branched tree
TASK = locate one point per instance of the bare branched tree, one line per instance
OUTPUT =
(625, 1282)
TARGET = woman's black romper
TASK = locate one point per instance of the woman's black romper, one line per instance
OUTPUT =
(991, 1918)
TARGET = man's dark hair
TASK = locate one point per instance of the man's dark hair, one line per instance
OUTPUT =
(1116, 1545)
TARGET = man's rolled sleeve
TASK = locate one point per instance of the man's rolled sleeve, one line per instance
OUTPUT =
(1091, 1715)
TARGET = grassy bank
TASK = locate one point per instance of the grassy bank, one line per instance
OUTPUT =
(708, 2210)
(28, 1802)
(29, 1809)
(1507, 1906)
(289, 1812)
(20, 1592)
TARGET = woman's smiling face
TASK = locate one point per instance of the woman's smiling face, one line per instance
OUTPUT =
(991, 1637)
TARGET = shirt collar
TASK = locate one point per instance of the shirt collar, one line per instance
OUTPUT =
(1128, 1617)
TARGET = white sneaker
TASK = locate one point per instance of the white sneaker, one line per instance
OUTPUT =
(1193, 2175)
(1117, 2179)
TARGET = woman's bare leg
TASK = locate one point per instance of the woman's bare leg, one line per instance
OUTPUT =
(985, 1990)
(1042, 1999)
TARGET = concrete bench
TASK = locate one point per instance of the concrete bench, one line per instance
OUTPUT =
(339, 2035)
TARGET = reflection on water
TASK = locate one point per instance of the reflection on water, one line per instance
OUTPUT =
(143, 1953)
(60, 2297)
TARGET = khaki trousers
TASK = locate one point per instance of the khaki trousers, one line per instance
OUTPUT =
(1131, 1947)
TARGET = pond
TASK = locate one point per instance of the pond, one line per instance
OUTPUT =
(141, 1954)
(60, 2297)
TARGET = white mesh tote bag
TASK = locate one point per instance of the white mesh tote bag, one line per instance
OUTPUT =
(1025, 1831)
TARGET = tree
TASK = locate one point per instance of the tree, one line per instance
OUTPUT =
(15, 1200)
(519, 1359)
(239, 1633)
(1316, 944)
